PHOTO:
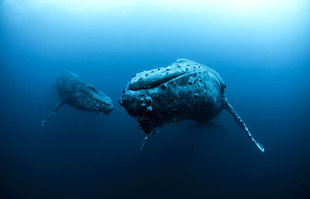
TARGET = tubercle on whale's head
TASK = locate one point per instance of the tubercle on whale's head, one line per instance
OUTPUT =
(135, 102)
(140, 106)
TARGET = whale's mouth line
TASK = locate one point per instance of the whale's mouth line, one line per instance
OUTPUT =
(156, 80)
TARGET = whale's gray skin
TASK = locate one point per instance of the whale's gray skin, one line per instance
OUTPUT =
(183, 90)
(80, 95)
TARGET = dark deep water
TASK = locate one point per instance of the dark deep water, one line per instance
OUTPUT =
(261, 50)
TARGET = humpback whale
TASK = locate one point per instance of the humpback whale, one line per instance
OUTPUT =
(183, 90)
(79, 94)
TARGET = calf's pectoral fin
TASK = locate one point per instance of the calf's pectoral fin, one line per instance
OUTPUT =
(242, 125)
(52, 113)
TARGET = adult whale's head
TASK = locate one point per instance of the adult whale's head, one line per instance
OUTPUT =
(183, 90)
(82, 95)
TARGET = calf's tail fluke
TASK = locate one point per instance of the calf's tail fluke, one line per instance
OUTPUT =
(242, 125)
(52, 113)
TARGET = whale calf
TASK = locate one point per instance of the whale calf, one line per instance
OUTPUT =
(183, 90)
(79, 94)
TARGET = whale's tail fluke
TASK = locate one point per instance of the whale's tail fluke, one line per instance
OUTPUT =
(242, 125)
(52, 113)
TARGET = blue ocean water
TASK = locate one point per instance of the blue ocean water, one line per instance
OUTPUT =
(260, 48)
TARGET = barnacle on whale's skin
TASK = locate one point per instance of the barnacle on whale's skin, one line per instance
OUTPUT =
(183, 90)
(80, 95)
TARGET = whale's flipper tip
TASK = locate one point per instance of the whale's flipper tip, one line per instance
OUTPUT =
(142, 146)
(242, 124)
(146, 139)
(261, 148)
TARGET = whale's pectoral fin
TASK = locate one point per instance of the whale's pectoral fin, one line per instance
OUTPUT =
(148, 138)
(242, 125)
(52, 113)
